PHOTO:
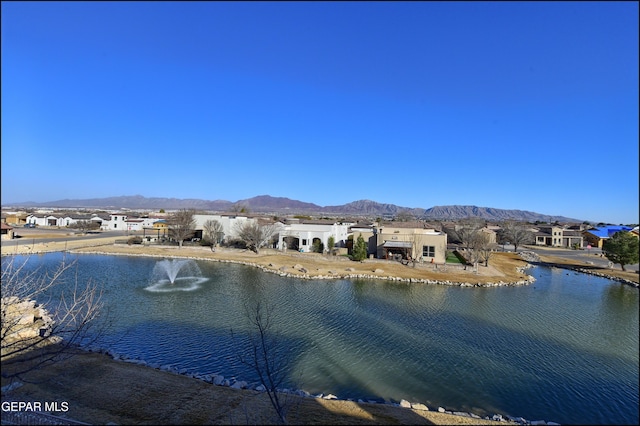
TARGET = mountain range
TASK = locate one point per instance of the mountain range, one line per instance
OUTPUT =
(283, 205)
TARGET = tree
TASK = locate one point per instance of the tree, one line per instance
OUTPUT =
(466, 232)
(35, 335)
(331, 243)
(318, 246)
(516, 233)
(85, 225)
(255, 235)
(622, 248)
(181, 225)
(266, 356)
(214, 232)
(485, 248)
(359, 249)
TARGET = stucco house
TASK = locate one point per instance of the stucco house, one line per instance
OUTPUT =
(15, 218)
(6, 231)
(43, 220)
(557, 236)
(116, 222)
(368, 233)
(230, 223)
(301, 236)
(423, 244)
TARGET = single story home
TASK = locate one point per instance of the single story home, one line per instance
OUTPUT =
(597, 236)
(7, 231)
(302, 236)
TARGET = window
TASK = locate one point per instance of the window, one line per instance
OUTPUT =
(304, 242)
(428, 251)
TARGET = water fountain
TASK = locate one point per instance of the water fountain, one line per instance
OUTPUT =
(175, 275)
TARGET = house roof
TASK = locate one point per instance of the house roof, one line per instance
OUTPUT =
(608, 231)
(5, 226)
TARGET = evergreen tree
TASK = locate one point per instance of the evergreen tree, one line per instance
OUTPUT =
(331, 243)
(622, 248)
(360, 249)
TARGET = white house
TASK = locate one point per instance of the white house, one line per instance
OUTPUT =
(230, 223)
(44, 220)
(122, 222)
(116, 222)
(302, 236)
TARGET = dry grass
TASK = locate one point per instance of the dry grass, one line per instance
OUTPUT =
(502, 266)
(99, 390)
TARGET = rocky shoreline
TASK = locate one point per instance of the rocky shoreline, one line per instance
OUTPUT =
(220, 380)
(234, 383)
(533, 258)
(298, 271)
(331, 275)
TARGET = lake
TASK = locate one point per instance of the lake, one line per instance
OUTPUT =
(563, 349)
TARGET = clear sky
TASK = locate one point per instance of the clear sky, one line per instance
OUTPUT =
(513, 105)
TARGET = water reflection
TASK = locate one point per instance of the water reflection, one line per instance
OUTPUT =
(563, 349)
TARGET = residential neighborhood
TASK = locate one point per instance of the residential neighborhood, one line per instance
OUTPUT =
(421, 241)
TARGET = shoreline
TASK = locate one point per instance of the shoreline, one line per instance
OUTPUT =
(305, 275)
(529, 259)
(132, 392)
(235, 383)
(502, 270)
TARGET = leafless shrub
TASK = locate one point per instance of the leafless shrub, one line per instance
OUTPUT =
(266, 356)
(36, 333)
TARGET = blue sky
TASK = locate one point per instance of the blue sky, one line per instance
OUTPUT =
(514, 105)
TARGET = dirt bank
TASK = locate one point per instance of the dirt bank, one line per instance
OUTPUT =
(99, 390)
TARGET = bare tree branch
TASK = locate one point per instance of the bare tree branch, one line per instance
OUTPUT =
(516, 233)
(214, 231)
(266, 357)
(34, 334)
(181, 225)
(255, 235)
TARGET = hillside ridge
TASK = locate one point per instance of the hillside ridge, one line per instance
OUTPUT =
(283, 205)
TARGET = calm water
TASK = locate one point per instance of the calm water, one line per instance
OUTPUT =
(563, 349)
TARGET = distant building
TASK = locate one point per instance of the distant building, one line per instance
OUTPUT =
(557, 236)
(302, 236)
(597, 236)
(422, 244)
(6, 231)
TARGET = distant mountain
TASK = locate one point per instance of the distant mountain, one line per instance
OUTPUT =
(364, 207)
(134, 202)
(488, 213)
(267, 203)
(282, 205)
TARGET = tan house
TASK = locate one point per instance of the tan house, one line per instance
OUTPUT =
(7, 231)
(557, 236)
(400, 242)
(17, 219)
